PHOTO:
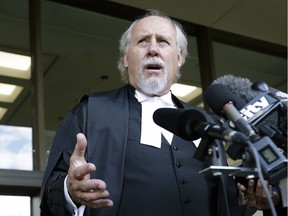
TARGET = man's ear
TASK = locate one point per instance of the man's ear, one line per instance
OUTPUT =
(180, 60)
(125, 61)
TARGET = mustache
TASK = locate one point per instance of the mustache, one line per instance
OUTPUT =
(155, 61)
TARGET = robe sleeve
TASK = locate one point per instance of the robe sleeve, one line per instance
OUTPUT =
(52, 190)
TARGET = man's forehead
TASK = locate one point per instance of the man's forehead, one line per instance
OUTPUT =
(154, 25)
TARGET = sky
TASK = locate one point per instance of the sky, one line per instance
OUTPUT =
(15, 153)
(8, 207)
(15, 147)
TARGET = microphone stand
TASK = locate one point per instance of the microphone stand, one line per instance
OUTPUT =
(217, 165)
(216, 150)
(251, 157)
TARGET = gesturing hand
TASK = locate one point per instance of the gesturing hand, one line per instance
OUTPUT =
(82, 189)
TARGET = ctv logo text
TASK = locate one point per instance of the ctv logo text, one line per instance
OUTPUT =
(251, 110)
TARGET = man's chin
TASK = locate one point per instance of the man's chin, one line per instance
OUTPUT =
(153, 90)
(153, 85)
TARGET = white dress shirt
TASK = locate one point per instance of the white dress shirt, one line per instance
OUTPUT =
(151, 132)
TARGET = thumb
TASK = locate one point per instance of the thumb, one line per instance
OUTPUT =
(79, 150)
(80, 146)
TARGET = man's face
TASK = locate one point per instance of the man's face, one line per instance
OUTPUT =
(152, 58)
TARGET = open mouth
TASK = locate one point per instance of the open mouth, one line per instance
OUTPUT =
(153, 67)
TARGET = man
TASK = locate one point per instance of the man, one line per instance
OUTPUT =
(123, 164)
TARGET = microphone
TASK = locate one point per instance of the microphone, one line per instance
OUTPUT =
(239, 87)
(243, 88)
(178, 121)
(222, 103)
(260, 85)
(265, 107)
(273, 163)
(191, 125)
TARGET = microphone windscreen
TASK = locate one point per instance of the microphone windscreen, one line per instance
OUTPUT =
(217, 95)
(239, 87)
(179, 121)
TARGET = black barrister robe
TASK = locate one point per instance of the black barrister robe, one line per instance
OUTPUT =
(103, 118)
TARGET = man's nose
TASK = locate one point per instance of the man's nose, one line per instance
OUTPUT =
(153, 48)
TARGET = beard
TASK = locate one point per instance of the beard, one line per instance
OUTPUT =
(153, 84)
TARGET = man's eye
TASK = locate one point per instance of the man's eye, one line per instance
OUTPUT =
(163, 42)
(143, 41)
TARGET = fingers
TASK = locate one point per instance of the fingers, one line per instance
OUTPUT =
(259, 190)
(251, 188)
(92, 185)
(92, 193)
(241, 194)
(275, 197)
(258, 198)
(241, 188)
(95, 199)
(100, 203)
(252, 193)
(81, 171)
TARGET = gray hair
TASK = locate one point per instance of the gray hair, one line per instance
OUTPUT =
(181, 40)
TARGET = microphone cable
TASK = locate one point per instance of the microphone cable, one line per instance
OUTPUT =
(261, 177)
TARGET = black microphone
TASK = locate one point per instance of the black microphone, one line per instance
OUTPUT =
(277, 121)
(260, 85)
(239, 87)
(243, 88)
(223, 103)
(273, 163)
(191, 124)
(265, 107)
